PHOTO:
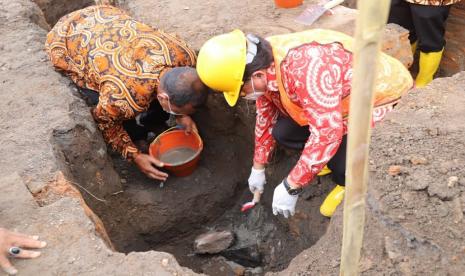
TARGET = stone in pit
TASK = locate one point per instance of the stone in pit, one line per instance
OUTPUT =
(213, 242)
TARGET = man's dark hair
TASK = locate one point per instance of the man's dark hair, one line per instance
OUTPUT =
(262, 60)
(183, 86)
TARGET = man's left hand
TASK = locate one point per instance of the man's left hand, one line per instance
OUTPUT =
(283, 202)
(187, 122)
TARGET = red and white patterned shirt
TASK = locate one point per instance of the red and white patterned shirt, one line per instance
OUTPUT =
(316, 77)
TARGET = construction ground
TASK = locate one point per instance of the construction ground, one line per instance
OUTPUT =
(101, 216)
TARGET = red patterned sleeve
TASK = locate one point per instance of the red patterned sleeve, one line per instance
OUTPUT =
(267, 114)
(316, 77)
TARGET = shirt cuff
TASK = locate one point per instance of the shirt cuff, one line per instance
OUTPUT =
(261, 155)
(301, 179)
(131, 153)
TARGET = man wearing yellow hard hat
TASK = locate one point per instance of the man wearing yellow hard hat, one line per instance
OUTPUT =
(301, 83)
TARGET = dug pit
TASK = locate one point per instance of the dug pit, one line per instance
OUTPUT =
(147, 215)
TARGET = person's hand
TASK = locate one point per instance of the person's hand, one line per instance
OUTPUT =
(12, 244)
(283, 202)
(187, 122)
(257, 180)
(147, 163)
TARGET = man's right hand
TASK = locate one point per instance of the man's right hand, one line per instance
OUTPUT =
(147, 163)
(257, 180)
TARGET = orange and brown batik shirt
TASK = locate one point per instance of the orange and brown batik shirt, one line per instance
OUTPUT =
(104, 49)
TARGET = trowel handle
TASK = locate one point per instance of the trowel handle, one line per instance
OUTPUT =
(256, 196)
(333, 3)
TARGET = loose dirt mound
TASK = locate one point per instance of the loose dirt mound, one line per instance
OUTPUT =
(415, 223)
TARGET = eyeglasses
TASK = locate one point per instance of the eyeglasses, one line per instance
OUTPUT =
(170, 110)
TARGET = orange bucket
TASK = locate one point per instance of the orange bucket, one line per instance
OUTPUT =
(288, 3)
(170, 141)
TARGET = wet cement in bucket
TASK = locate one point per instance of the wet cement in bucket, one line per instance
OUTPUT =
(177, 156)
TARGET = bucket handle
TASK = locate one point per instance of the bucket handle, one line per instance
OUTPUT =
(168, 130)
(157, 140)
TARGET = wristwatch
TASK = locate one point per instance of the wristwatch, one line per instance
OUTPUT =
(290, 190)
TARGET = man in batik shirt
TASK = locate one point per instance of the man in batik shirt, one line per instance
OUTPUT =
(133, 71)
(301, 83)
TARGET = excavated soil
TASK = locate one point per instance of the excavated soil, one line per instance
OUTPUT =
(416, 195)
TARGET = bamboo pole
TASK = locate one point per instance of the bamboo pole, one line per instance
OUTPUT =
(372, 17)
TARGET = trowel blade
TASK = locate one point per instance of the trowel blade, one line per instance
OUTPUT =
(311, 14)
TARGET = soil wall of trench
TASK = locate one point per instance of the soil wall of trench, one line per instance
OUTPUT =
(415, 217)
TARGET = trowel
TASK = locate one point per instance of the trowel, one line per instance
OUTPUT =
(249, 205)
(313, 12)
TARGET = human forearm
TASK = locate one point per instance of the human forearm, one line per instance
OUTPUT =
(267, 114)
(114, 134)
(314, 157)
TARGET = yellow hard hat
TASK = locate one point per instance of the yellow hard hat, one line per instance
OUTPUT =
(221, 64)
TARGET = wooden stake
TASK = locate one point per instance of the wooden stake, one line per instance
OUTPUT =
(372, 17)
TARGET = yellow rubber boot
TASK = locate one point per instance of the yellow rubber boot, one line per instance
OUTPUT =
(324, 171)
(414, 47)
(429, 64)
(333, 200)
